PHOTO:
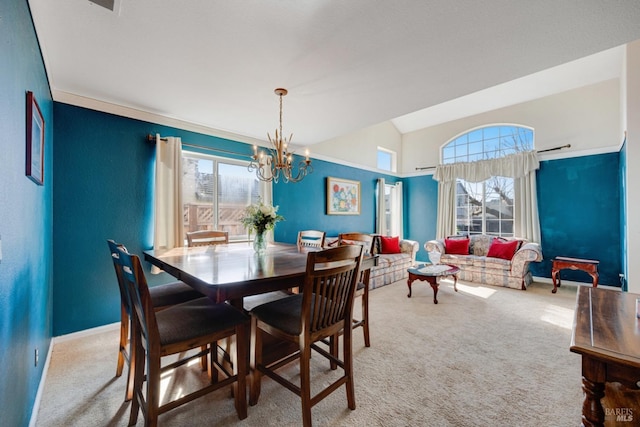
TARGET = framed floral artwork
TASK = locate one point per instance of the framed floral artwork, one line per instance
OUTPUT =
(343, 196)
(35, 141)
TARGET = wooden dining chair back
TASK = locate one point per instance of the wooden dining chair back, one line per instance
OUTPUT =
(322, 310)
(207, 238)
(192, 325)
(162, 296)
(367, 242)
(311, 239)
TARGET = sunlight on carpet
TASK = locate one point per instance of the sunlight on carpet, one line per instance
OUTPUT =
(559, 316)
(478, 291)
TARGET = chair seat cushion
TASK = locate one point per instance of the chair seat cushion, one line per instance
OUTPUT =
(283, 314)
(196, 318)
(252, 301)
(172, 294)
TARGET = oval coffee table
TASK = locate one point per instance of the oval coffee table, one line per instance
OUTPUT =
(431, 273)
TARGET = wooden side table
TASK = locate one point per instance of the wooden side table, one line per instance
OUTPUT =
(589, 266)
(606, 333)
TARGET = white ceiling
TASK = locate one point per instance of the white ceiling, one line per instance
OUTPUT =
(348, 64)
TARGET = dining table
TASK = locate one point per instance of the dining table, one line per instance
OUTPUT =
(230, 272)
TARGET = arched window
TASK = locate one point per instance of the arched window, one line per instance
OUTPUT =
(486, 207)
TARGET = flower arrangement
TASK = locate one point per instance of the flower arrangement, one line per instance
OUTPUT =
(260, 217)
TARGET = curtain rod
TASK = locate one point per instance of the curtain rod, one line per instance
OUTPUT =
(539, 151)
(151, 138)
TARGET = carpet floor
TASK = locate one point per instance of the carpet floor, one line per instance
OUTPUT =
(484, 356)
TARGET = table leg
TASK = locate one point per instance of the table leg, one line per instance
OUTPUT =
(455, 282)
(433, 281)
(409, 282)
(593, 382)
(554, 273)
(595, 279)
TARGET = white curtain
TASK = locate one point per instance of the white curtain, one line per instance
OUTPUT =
(168, 230)
(381, 210)
(520, 166)
(396, 210)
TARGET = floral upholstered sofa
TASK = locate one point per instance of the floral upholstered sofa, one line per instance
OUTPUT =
(391, 266)
(476, 266)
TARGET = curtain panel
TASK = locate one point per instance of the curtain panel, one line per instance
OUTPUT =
(520, 166)
(168, 227)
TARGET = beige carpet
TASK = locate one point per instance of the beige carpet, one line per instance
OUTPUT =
(482, 356)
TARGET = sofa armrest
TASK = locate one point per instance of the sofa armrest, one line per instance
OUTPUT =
(529, 252)
(410, 247)
(435, 246)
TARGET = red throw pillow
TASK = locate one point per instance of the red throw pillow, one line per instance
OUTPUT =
(501, 249)
(456, 246)
(390, 245)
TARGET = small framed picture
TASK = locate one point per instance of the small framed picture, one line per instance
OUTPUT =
(35, 141)
(343, 196)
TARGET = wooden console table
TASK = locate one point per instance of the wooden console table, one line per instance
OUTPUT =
(606, 332)
(589, 266)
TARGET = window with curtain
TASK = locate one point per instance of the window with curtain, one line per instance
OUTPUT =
(389, 209)
(488, 206)
(215, 193)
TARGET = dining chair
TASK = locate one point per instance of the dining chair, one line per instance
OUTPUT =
(311, 238)
(199, 323)
(162, 296)
(366, 241)
(207, 237)
(321, 311)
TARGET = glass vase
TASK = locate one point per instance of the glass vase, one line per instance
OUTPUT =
(260, 242)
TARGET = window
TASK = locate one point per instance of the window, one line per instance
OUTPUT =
(486, 207)
(386, 159)
(215, 193)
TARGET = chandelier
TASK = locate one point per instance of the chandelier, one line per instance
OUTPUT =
(277, 162)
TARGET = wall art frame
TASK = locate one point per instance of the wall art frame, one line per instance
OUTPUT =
(343, 196)
(34, 141)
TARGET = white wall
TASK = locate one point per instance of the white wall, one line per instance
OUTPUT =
(587, 118)
(633, 165)
(361, 147)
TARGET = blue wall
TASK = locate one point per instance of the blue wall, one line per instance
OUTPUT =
(579, 207)
(104, 179)
(304, 204)
(421, 197)
(25, 219)
(622, 179)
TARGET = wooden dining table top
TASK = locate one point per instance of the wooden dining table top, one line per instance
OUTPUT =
(235, 270)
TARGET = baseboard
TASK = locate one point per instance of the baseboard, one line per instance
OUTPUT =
(43, 378)
(572, 283)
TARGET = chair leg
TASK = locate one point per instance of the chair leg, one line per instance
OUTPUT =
(348, 369)
(240, 370)
(153, 390)
(333, 349)
(203, 359)
(124, 339)
(365, 316)
(305, 384)
(137, 365)
(256, 361)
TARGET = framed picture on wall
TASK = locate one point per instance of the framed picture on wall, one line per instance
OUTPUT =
(35, 141)
(343, 196)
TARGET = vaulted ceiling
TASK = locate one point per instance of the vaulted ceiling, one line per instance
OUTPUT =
(347, 64)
